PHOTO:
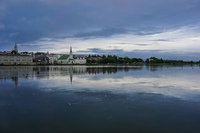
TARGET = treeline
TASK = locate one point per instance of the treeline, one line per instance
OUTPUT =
(112, 59)
(126, 60)
(156, 60)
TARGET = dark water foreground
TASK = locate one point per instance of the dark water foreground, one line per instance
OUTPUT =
(82, 99)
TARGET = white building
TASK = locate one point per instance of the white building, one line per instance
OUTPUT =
(53, 58)
(79, 60)
(70, 59)
(15, 59)
(63, 60)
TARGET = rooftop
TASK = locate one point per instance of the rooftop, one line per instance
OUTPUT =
(63, 57)
(13, 55)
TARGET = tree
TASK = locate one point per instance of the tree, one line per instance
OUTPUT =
(147, 60)
(103, 56)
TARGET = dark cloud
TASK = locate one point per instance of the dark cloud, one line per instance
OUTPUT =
(21, 36)
(27, 21)
(106, 32)
(101, 51)
(52, 17)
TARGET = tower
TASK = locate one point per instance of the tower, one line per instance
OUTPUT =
(71, 59)
(15, 48)
(70, 50)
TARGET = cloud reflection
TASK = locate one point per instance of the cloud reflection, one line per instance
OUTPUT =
(126, 80)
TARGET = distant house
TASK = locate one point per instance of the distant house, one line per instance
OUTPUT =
(38, 54)
(94, 58)
(79, 60)
(43, 60)
(53, 58)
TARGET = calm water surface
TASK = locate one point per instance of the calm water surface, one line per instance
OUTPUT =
(103, 99)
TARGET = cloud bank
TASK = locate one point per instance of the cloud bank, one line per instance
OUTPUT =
(106, 25)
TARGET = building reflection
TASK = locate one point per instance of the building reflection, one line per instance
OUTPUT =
(17, 73)
(15, 80)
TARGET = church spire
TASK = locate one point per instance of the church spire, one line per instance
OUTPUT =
(70, 50)
(15, 48)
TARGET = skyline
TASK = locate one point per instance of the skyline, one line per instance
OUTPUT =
(134, 28)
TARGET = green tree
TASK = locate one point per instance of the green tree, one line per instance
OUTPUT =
(147, 60)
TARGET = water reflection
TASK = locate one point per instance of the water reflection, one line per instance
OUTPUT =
(99, 99)
(41, 72)
(181, 82)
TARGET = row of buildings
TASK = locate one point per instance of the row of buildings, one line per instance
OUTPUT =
(24, 58)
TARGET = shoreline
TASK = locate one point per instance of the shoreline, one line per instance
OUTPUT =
(110, 64)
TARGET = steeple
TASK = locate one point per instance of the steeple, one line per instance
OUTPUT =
(70, 50)
(15, 48)
(71, 59)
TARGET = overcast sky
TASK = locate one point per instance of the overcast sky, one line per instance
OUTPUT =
(168, 29)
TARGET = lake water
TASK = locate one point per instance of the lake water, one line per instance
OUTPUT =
(99, 99)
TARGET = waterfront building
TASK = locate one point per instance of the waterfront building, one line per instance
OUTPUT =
(71, 59)
(53, 58)
(79, 59)
(38, 54)
(64, 59)
(14, 58)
